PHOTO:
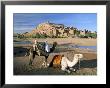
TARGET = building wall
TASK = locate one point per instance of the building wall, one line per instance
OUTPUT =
(52, 29)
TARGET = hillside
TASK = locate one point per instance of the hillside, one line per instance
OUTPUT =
(53, 30)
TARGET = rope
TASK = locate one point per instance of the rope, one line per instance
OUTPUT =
(79, 63)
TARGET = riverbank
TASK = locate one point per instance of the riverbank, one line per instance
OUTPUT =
(76, 41)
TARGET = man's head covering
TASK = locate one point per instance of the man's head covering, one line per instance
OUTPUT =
(35, 41)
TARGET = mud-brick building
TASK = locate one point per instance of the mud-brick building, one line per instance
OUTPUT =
(56, 30)
(52, 29)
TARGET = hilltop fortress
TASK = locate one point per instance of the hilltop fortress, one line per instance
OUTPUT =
(57, 30)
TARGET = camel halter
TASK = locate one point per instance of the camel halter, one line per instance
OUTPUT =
(79, 62)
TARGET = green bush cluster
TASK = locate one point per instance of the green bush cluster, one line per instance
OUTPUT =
(91, 35)
(39, 35)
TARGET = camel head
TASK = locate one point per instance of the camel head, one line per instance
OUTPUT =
(53, 47)
(54, 44)
(79, 55)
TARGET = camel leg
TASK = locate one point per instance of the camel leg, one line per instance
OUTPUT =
(38, 53)
(26, 54)
(72, 69)
(79, 64)
(45, 62)
(31, 57)
(65, 69)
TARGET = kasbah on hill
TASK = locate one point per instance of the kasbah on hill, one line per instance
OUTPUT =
(52, 30)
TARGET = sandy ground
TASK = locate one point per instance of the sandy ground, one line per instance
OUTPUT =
(88, 62)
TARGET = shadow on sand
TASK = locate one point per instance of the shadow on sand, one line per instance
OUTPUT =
(88, 63)
(20, 51)
(26, 70)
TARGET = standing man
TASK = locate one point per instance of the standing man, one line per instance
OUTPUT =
(35, 47)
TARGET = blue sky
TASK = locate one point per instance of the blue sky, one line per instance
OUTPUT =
(26, 22)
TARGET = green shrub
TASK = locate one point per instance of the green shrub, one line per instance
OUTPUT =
(81, 36)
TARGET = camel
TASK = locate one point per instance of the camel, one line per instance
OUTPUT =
(40, 51)
(64, 63)
(67, 65)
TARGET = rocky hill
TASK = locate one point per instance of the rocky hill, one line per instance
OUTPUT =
(48, 29)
